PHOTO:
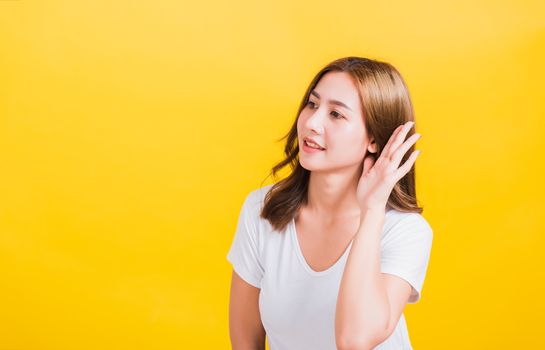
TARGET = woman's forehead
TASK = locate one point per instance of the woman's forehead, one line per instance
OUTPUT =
(338, 86)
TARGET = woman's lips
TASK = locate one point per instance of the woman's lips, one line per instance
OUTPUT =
(309, 149)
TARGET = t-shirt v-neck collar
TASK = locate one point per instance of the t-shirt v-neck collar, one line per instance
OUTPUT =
(301, 257)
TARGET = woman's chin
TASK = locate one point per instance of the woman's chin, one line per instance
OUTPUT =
(310, 166)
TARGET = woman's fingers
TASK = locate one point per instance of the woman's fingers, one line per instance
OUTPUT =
(404, 169)
(399, 153)
(399, 138)
(386, 150)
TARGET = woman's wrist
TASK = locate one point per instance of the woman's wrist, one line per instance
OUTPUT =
(373, 214)
(372, 209)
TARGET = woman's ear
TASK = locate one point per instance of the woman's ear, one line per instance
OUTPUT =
(372, 147)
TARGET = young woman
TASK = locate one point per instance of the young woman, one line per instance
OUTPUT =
(328, 257)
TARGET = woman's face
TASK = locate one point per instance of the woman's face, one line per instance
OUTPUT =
(333, 118)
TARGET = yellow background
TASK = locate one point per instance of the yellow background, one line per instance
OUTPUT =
(131, 131)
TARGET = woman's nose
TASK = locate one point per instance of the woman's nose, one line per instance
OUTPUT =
(315, 122)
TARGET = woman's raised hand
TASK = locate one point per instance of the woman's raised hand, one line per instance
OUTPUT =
(379, 177)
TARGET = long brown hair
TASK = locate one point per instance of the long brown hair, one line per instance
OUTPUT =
(386, 104)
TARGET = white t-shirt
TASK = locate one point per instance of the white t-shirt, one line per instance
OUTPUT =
(297, 304)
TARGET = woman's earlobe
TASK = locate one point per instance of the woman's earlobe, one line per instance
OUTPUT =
(372, 148)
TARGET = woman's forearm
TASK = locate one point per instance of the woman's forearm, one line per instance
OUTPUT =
(362, 310)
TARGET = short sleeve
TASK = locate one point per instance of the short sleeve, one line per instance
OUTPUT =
(244, 252)
(406, 251)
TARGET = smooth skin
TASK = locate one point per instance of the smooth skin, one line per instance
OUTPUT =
(245, 327)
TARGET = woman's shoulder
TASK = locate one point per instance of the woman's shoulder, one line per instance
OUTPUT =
(256, 197)
(253, 207)
(254, 202)
(397, 220)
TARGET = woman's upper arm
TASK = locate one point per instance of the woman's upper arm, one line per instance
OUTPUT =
(245, 328)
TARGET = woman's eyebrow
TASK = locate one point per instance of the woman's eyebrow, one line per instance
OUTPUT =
(335, 102)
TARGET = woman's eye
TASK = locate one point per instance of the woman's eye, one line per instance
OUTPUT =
(311, 104)
(339, 116)
(336, 114)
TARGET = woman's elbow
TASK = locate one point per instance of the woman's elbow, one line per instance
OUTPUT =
(364, 342)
